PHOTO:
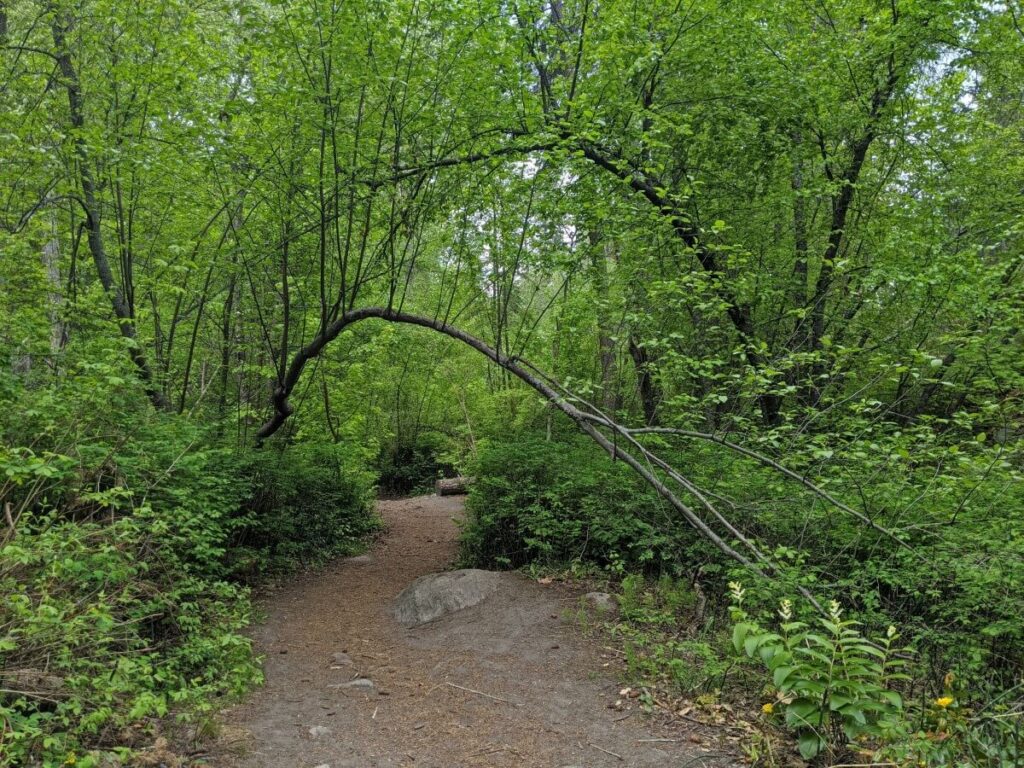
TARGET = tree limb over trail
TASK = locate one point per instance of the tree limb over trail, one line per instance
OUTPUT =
(621, 445)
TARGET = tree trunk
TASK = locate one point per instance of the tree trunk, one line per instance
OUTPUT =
(602, 251)
(452, 486)
(54, 296)
(650, 393)
(126, 322)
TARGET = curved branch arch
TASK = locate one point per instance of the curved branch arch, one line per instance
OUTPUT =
(590, 420)
(640, 459)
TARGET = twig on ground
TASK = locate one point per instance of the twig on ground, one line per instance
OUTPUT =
(487, 695)
(606, 751)
(491, 751)
(32, 695)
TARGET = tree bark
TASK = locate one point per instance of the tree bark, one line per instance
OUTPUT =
(646, 386)
(51, 263)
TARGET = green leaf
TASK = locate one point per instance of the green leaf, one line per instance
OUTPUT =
(892, 698)
(802, 711)
(811, 744)
(780, 675)
(855, 712)
(739, 634)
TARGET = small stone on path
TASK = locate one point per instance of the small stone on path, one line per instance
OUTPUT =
(319, 730)
(360, 683)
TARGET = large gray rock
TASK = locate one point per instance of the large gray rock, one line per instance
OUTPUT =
(438, 594)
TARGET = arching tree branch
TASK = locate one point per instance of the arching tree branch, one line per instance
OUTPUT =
(641, 459)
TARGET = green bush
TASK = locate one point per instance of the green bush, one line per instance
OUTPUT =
(841, 693)
(129, 533)
(309, 503)
(836, 686)
(119, 609)
(405, 468)
(553, 502)
(103, 632)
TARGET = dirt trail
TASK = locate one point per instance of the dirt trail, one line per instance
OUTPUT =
(536, 696)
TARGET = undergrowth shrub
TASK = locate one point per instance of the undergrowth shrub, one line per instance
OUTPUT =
(118, 610)
(952, 578)
(835, 686)
(124, 536)
(667, 637)
(409, 467)
(309, 503)
(100, 634)
(846, 696)
(553, 502)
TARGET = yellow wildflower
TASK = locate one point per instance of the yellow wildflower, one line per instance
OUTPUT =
(944, 702)
(71, 759)
(768, 708)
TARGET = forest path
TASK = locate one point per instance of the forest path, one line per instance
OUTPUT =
(508, 682)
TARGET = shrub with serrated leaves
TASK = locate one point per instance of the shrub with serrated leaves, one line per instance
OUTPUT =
(95, 639)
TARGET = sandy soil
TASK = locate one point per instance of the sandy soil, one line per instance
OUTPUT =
(508, 682)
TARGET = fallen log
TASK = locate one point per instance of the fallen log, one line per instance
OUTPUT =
(452, 486)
